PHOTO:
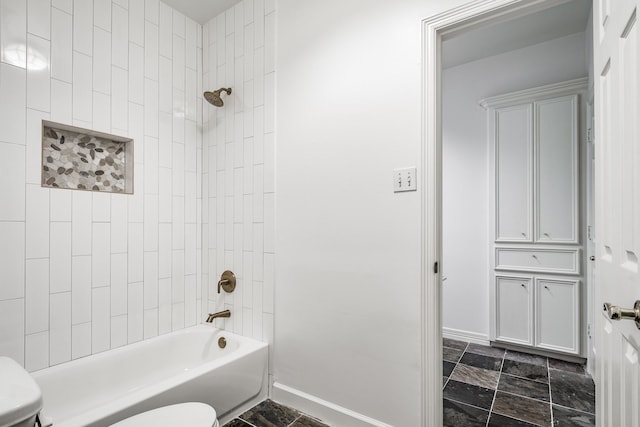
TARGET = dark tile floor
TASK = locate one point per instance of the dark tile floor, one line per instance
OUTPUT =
(272, 414)
(487, 386)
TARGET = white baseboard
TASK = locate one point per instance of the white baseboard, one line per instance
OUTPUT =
(474, 337)
(325, 411)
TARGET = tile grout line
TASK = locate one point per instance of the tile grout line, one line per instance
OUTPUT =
(550, 396)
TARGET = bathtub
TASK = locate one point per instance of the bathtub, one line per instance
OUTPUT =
(182, 366)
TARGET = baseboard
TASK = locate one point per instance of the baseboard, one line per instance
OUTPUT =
(325, 411)
(474, 337)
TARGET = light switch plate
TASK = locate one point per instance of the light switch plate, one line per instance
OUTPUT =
(405, 179)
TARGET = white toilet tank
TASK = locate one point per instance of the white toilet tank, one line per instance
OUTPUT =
(20, 396)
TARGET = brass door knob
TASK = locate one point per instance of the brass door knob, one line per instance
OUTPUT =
(618, 313)
(227, 281)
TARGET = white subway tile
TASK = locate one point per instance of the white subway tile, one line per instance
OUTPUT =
(177, 238)
(12, 247)
(136, 73)
(190, 301)
(191, 44)
(101, 320)
(135, 313)
(269, 103)
(37, 351)
(247, 223)
(178, 23)
(83, 27)
(239, 30)
(38, 74)
(190, 211)
(61, 102)
(151, 51)
(60, 328)
(152, 10)
(34, 146)
(135, 254)
(120, 37)
(165, 79)
(136, 22)
(101, 112)
(60, 265)
(247, 279)
(178, 169)
(151, 222)
(37, 295)
(13, 104)
(119, 98)
(178, 62)
(64, 5)
(177, 316)
(269, 281)
(177, 276)
(269, 6)
(118, 223)
(229, 16)
(164, 251)
(269, 222)
(101, 254)
(119, 331)
(150, 323)
(150, 280)
(118, 284)
(81, 223)
(190, 147)
(165, 143)
(164, 305)
(178, 116)
(61, 45)
(191, 96)
(37, 223)
(165, 197)
(258, 21)
(151, 165)
(12, 329)
(258, 251)
(39, 18)
(102, 61)
(151, 108)
(122, 3)
(258, 77)
(13, 32)
(102, 15)
(82, 87)
(248, 11)
(165, 27)
(136, 131)
(220, 29)
(81, 289)
(190, 249)
(248, 52)
(101, 203)
(136, 201)
(81, 339)
(60, 206)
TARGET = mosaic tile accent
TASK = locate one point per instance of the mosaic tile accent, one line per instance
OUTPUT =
(82, 160)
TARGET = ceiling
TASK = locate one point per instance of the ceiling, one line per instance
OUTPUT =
(201, 11)
(548, 24)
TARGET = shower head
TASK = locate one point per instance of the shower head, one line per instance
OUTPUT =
(214, 97)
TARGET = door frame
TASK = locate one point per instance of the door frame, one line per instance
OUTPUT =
(434, 29)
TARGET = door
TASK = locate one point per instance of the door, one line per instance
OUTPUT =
(557, 314)
(514, 302)
(617, 164)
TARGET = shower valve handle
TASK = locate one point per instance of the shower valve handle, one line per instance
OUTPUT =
(227, 281)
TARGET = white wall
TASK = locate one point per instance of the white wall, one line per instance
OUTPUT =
(83, 272)
(466, 242)
(238, 166)
(348, 248)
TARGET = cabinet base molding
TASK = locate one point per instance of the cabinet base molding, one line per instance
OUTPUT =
(473, 337)
(540, 352)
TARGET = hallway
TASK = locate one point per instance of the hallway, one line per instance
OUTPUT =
(487, 386)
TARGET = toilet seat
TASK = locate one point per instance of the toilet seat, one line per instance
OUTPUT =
(192, 414)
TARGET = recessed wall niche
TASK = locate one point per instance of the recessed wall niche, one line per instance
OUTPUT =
(83, 159)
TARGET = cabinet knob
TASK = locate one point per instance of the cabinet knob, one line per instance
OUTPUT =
(523, 285)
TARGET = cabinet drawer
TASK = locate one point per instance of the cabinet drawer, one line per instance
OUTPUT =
(564, 261)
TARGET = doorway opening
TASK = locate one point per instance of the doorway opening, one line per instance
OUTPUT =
(474, 52)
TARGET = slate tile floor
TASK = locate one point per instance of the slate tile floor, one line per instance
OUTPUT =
(272, 414)
(491, 387)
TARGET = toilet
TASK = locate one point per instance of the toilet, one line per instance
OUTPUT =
(21, 402)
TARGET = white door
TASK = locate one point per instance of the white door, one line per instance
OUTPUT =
(616, 74)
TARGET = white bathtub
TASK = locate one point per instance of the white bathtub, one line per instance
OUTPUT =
(182, 366)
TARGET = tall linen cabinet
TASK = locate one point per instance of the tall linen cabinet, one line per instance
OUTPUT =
(537, 232)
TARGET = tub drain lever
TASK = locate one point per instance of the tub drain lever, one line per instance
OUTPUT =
(227, 281)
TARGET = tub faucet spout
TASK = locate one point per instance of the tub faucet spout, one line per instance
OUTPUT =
(225, 313)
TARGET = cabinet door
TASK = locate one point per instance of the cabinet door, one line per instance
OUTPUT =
(513, 154)
(514, 320)
(556, 147)
(557, 315)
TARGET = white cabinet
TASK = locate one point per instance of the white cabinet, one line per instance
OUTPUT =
(537, 241)
(514, 302)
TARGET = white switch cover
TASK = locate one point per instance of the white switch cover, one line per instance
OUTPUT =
(405, 179)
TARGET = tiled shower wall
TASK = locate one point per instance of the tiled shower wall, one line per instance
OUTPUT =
(238, 165)
(83, 272)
